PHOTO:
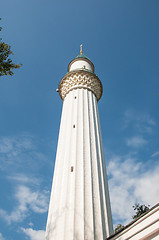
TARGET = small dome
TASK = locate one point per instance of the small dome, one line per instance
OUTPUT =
(81, 55)
(81, 62)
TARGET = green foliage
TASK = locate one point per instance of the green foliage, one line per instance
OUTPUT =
(140, 209)
(118, 228)
(6, 64)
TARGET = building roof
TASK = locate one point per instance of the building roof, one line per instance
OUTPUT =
(81, 55)
(141, 218)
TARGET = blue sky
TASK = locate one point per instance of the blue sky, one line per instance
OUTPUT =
(122, 40)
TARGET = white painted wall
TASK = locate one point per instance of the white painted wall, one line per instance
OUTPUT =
(81, 64)
(79, 205)
(145, 228)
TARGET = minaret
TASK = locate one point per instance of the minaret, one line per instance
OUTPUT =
(79, 204)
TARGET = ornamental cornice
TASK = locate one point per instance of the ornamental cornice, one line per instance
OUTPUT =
(80, 79)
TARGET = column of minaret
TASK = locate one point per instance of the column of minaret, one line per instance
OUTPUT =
(79, 204)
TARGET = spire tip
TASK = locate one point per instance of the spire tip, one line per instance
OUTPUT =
(81, 51)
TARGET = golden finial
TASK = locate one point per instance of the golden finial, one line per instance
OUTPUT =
(81, 49)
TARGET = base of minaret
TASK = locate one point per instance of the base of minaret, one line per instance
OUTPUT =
(79, 205)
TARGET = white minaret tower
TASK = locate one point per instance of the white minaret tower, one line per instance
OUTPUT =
(79, 204)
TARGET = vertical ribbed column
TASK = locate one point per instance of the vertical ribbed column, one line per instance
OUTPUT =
(95, 173)
(57, 208)
(79, 205)
(70, 195)
(108, 229)
(79, 172)
(88, 180)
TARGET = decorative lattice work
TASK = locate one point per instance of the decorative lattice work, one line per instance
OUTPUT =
(80, 79)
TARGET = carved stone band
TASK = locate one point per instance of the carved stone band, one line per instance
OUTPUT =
(80, 79)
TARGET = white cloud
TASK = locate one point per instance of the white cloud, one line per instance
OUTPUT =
(147, 188)
(136, 141)
(131, 182)
(12, 149)
(131, 115)
(15, 144)
(1, 237)
(20, 156)
(34, 234)
(155, 154)
(36, 201)
(22, 178)
(142, 122)
(15, 150)
(31, 224)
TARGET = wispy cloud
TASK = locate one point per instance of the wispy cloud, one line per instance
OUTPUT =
(14, 150)
(141, 122)
(27, 200)
(34, 234)
(1, 237)
(30, 224)
(136, 141)
(23, 142)
(24, 179)
(155, 154)
(130, 182)
(20, 157)
(13, 147)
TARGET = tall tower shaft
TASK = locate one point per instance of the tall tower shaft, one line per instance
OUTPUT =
(79, 204)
